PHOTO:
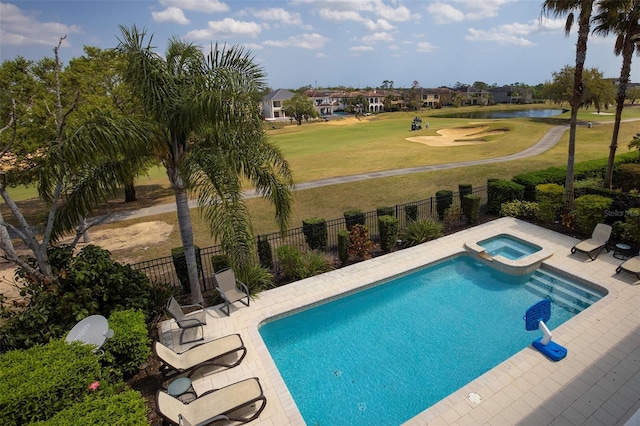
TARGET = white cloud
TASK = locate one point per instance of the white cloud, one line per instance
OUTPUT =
(340, 15)
(227, 28)
(377, 37)
(379, 25)
(397, 14)
(483, 9)
(280, 15)
(500, 34)
(170, 14)
(207, 6)
(361, 48)
(445, 13)
(18, 29)
(425, 47)
(465, 10)
(304, 41)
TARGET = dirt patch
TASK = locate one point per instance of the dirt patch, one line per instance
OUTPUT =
(457, 136)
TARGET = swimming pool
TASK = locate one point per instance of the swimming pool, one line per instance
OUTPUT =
(382, 355)
(508, 247)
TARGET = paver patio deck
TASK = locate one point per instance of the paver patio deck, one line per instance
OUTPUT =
(598, 383)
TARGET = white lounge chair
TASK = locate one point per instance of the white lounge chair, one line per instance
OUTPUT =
(631, 265)
(595, 244)
(231, 289)
(205, 354)
(195, 319)
(216, 404)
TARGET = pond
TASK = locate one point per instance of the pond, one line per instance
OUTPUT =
(520, 113)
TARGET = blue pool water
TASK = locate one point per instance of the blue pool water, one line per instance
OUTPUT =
(382, 355)
(508, 246)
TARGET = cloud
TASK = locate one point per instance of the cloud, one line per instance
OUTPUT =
(397, 14)
(304, 41)
(483, 9)
(340, 15)
(170, 14)
(467, 10)
(377, 37)
(425, 47)
(227, 28)
(361, 48)
(18, 29)
(445, 13)
(502, 34)
(207, 6)
(280, 15)
(379, 25)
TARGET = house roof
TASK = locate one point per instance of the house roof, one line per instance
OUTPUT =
(279, 95)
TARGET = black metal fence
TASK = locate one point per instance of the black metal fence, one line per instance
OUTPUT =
(162, 270)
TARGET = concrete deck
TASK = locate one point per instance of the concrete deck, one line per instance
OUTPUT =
(598, 383)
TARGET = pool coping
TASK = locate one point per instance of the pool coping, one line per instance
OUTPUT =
(601, 340)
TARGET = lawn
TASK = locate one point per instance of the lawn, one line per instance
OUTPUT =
(322, 150)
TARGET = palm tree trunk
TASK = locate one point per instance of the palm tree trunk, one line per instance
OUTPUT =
(627, 55)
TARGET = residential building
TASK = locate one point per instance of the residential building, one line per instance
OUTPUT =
(272, 104)
(511, 95)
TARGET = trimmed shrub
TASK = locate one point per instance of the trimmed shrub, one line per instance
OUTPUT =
(385, 211)
(444, 198)
(124, 408)
(519, 209)
(265, 254)
(589, 211)
(471, 208)
(501, 191)
(343, 246)
(180, 264)
(550, 198)
(45, 379)
(464, 189)
(420, 231)
(257, 278)
(389, 227)
(315, 233)
(627, 177)
(220, 262)
(360, 244)
(130, 345)
(451, 217)
(411, 212)
(354, 217)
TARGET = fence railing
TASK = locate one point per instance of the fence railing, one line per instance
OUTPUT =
(162, 270)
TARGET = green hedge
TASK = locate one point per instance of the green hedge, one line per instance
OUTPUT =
(38, 382)
(550, 198)
(389, 227)
(354, 217)
(220, 262)
(627, 177)
(130, 345)
(343, 246)
(385, 211)
(464, 189)
(502, 191)
(124, 409)
(444, 199)
(589, 211)
(471, 208)
(411, 212)
(315, 233)
(265, 253)
(520, 209)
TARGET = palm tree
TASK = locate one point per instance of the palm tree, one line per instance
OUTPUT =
(206, 109)
(622, 18)
(561, 8)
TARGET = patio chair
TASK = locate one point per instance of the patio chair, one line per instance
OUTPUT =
(631, 266)
(595, 244)
(216, 404)
(231, 289)
(189, 321)
(205, 354)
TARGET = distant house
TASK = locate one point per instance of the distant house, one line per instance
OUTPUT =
(511, 95)
(324, 102)
(272, 104)
(433, 97)
(470, 95)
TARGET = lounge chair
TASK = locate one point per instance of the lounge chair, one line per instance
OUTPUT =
(595, 244)
(230, 288)
(202, 355)
(215, 404)
(631, 265)
(189, 321)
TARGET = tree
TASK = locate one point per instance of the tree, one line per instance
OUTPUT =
(621, 17)
(633, 93)
(74, 163)
(387, 85)
(584, 9)
(206, 109)
(300, 107)
(480, 85)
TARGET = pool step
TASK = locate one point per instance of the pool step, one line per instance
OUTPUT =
(568, 296)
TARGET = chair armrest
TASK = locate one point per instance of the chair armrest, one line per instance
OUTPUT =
(189, 322)
(243, 285)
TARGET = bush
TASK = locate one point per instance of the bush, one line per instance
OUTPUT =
(471, 208)
(385, 211)
(627, 177)
(257, 278)
(420, 231)
(315, 233)
(444, 198)
(354, 217)
(451, 217)
(289, 258)
(520, 209)
(264, 253)
(343, 246)
(180, 264)
(360, 244)
(220, 262)
(389, 227)
(463, 190)
(126, 408)
(297, 265)
(589, 211)
(550, 198)
(501, 191)
(40, 381)
(130, 345)
(411, 212)
(90, 283)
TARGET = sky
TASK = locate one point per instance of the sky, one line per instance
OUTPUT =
(327, 43)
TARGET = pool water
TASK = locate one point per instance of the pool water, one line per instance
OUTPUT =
(382, 355)
(508, 247)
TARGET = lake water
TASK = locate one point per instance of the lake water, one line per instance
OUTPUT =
(522, 113)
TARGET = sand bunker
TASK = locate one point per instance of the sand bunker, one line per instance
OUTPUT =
(457, 136)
